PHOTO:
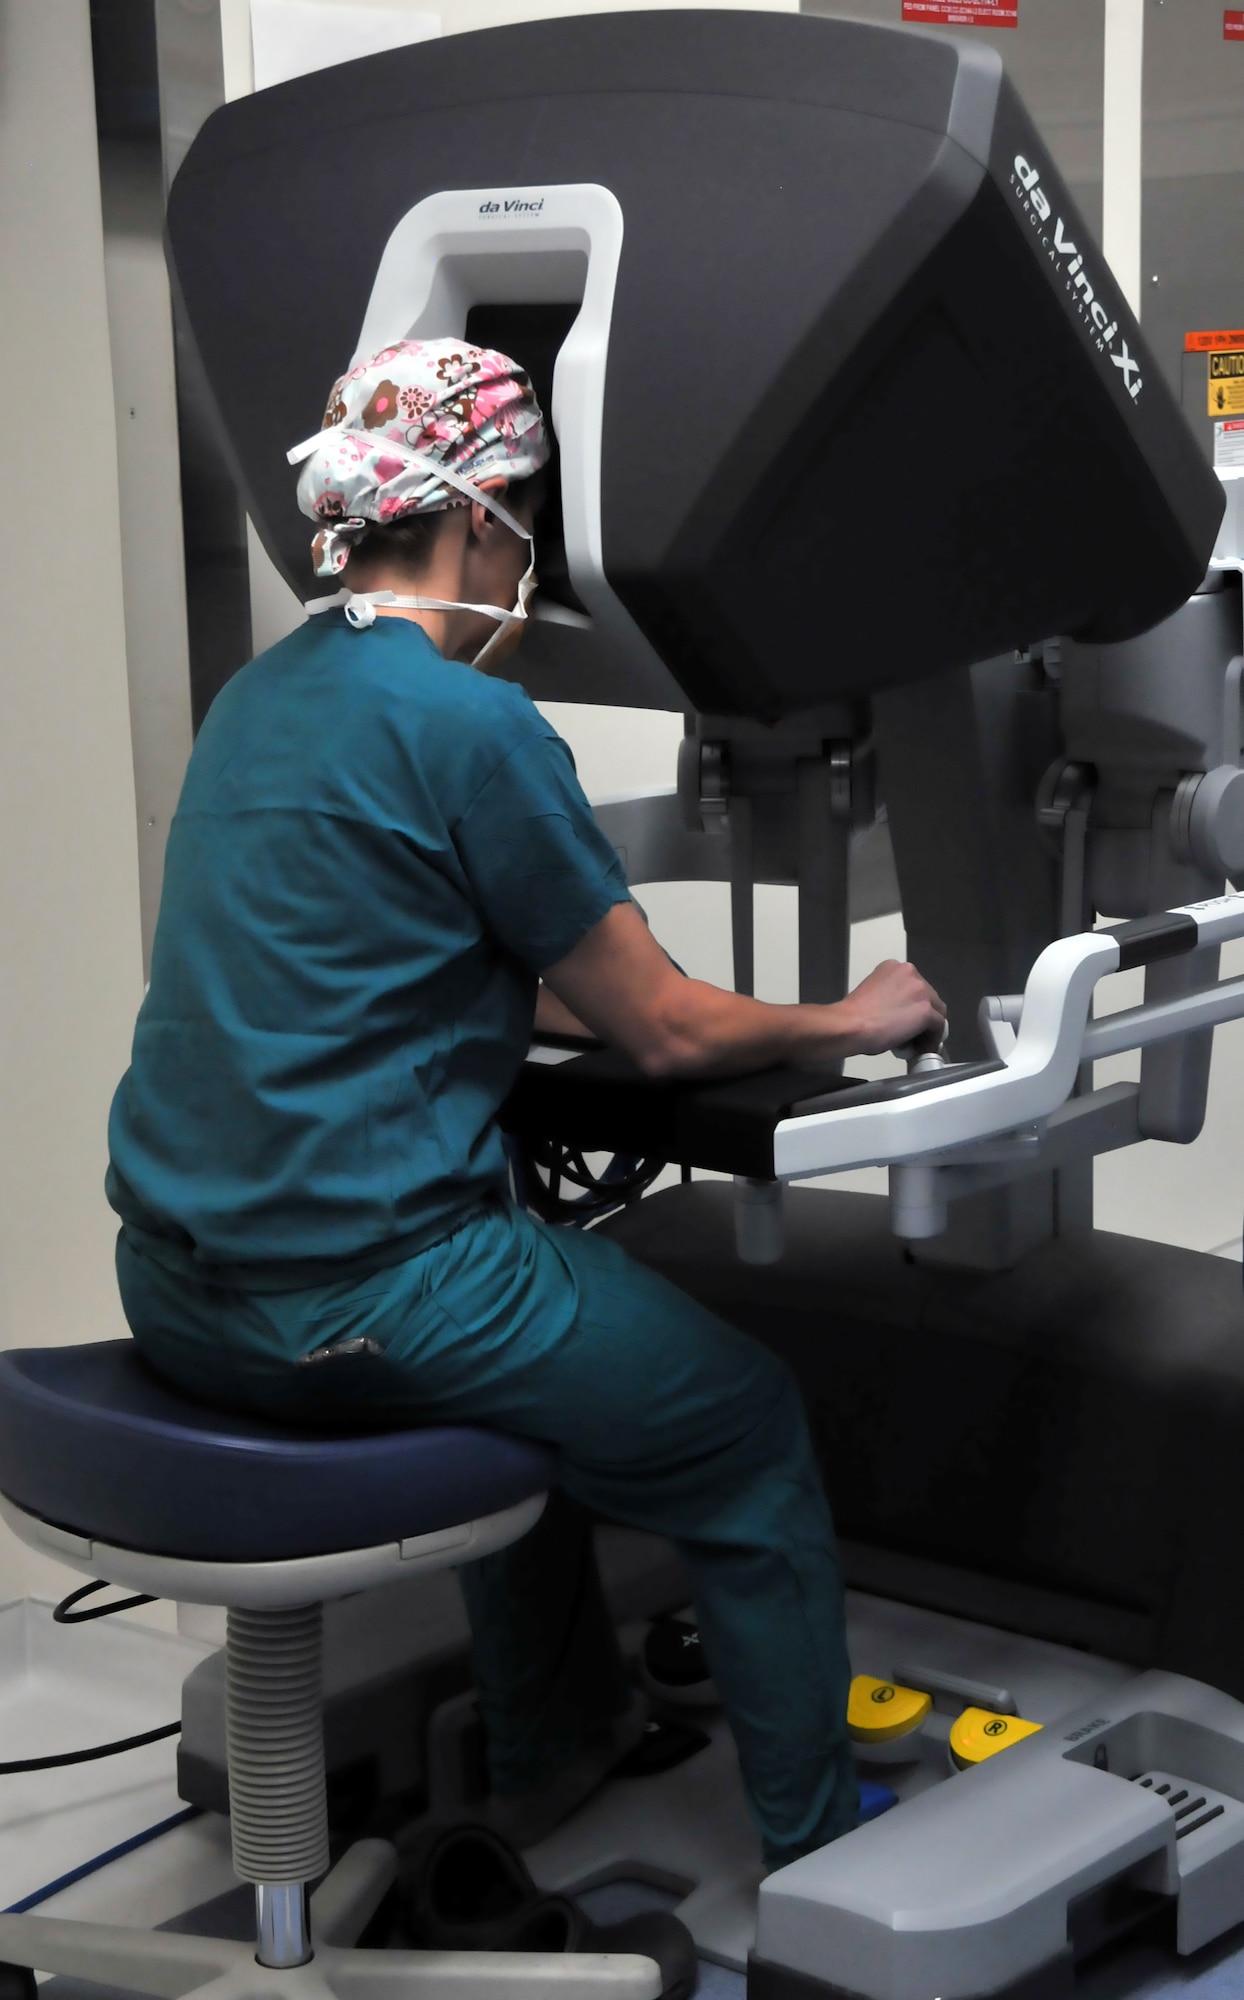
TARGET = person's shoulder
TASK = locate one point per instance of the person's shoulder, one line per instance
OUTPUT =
(265, 673)
(507, 707)
(498, 716)
(456, 726)
(387, 684)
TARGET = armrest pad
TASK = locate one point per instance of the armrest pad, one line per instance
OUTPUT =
(602, 1102)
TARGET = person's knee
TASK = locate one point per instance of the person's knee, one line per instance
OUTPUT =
(766, 1422)
(774, 1390)
(780, 1444)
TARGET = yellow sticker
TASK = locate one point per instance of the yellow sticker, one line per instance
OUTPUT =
(1226, 384)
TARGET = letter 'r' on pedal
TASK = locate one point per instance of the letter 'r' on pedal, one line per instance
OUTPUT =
(978, 1733)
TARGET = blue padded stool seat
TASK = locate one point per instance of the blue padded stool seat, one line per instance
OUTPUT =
(93, 1441)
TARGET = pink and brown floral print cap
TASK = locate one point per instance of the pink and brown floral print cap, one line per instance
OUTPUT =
(413, 431)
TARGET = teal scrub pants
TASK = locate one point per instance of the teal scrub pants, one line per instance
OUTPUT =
(665, 1419)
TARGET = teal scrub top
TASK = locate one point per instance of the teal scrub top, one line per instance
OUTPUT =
(375, 854)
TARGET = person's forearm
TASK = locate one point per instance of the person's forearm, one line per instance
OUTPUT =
(703, 1029)
(618, 980)
(553, 1016)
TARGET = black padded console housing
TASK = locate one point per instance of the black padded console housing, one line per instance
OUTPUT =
(602, 1102)
(874, 405)
(1053, 1449)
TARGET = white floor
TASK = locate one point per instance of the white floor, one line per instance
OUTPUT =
(69, 1687)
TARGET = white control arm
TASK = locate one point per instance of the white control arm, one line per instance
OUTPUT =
(1038, 1072)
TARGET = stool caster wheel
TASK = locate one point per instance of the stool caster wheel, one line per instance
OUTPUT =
(17, 1982)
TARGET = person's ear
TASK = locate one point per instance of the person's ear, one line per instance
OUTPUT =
(482, 518)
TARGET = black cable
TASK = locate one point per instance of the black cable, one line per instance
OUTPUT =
(64, 1614)
(89, 1756)
(538, 1168)
(546, 1166)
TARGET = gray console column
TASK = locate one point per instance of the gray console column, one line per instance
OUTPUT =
(960, 759)
(1156, 724)
(788, 797)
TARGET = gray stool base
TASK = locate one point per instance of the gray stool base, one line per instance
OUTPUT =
(165, 1964)
(280, 1830)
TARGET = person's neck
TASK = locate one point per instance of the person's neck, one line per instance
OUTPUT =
(443, 577)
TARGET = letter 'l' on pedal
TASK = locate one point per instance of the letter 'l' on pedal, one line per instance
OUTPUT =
(885, 1720)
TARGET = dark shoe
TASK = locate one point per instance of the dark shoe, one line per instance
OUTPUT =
(555, 1923)
(470, 1892)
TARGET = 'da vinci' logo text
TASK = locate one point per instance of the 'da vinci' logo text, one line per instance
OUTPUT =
(1068, 258)
(514, 207)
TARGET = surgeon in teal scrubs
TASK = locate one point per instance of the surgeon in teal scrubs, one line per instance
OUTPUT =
(381, 873)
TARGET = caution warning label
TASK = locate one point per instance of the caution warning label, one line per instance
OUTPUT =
(1233, 25)
(963, 13)
(1226, 384)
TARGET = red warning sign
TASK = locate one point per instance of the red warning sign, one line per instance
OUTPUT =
(1210, 343)
(1233, 25)
(964, 13)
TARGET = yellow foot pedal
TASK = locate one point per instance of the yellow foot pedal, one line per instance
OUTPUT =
(978, 1733)
(884, 1720)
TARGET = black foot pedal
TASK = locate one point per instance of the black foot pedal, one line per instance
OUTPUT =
(673, 1667)
(662, 1747)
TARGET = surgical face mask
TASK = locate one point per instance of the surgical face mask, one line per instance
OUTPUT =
(360, 606)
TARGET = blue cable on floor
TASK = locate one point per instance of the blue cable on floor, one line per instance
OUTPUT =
(38, 1896)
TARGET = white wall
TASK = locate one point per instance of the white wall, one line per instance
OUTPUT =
(70, 957)
(456, 17)
(152, 551)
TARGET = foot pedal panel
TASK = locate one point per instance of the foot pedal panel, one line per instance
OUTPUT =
(995, 1882)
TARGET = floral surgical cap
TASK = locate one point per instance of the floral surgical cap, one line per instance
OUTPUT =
(413, 431)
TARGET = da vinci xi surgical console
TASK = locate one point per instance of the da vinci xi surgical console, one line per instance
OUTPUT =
(912, 517)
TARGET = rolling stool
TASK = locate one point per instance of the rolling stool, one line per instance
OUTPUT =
(106, 1468)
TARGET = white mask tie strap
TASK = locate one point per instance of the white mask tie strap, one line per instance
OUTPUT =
(360, 606)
